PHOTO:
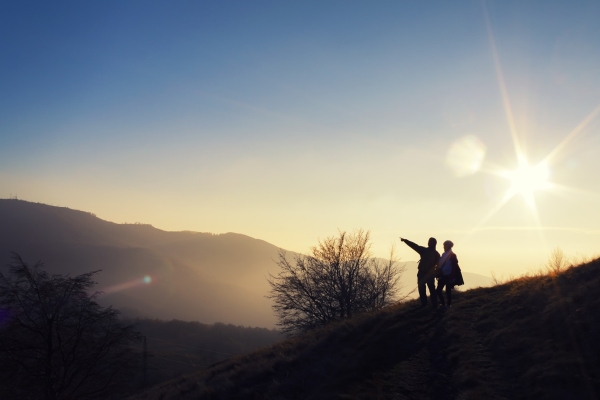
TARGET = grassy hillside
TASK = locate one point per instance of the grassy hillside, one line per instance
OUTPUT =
(178, 347)
(534, 337)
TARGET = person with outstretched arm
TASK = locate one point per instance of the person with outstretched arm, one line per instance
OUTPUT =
(426, 269)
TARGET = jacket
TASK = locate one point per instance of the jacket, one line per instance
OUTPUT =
(453, 262)
(429, 259)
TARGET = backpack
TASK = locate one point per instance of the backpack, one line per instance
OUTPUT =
(458, 279)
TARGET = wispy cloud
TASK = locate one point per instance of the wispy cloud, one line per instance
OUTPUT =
(536, 228)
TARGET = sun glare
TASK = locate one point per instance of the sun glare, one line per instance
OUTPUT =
(528, 179)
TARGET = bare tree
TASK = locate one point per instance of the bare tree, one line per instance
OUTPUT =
(339, 279)
(56, 341)
(557, 261)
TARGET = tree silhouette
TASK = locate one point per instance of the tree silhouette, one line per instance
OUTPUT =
(55, 340)
(337, 280)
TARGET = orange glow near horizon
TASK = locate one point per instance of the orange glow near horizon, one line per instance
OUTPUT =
(481, 126)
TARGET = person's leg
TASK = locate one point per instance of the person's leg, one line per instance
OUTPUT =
(432, 292)
(422, 291)
(449, 294)
(440, 288)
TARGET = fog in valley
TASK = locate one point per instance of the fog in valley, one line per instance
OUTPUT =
(147, 272)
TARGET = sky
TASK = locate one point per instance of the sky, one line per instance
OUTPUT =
(472, 121)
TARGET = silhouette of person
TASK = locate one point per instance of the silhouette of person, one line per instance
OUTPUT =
(426, 269)
(447, 270)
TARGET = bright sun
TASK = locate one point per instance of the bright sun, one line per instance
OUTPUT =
(528, 179)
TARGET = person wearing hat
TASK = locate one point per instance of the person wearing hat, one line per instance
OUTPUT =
(446, 273)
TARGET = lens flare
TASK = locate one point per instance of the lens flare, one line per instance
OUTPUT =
(146, 280)
(466, 155)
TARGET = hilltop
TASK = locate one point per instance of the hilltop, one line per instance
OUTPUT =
(534, 337)
(195, 276)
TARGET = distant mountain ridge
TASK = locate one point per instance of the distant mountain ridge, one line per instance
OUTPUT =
(195, 276)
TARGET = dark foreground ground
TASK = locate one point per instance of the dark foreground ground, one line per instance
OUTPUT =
(532, 338)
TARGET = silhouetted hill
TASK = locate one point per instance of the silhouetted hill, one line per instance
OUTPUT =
(532, 338)
(195, 276)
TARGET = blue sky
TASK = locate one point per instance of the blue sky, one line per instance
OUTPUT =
(288, 120)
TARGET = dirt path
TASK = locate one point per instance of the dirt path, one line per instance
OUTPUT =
(461, 366)
(453, 361)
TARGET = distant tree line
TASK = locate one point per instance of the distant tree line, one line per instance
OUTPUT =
(219, 337)
(178, 347)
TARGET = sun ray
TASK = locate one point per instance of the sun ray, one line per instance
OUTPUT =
(504, 92)
(558, 188)
(532, 228)
(507, 196)
(526, 179)
(572, 134)
(538, 223)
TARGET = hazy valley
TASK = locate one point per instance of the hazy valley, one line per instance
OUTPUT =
(194, 276)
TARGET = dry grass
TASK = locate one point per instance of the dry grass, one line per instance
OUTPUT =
(531, 337)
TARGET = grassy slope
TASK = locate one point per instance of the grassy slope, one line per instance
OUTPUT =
(535, 337)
